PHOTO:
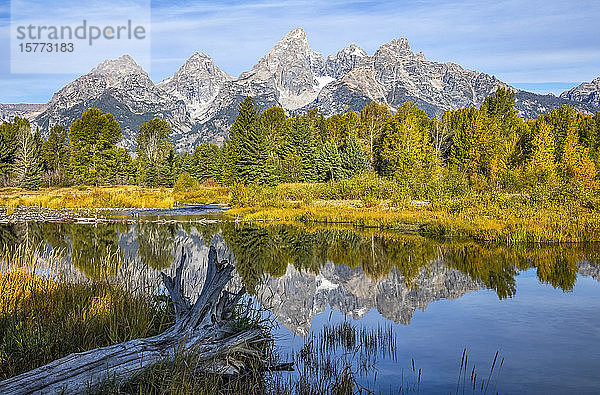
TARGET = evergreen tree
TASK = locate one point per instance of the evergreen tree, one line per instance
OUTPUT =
(93, 146)
(150, 176)
(301, 144)
(242, 131)
(317, 123)
(187, 163)
(254, 153)
(207, 162)
(229, 168)
(6, 157)
(8, 147)
(166, 171)
(270, 173)
(274, 124)
(246, 118)
(353, 159)
(292, 168)
(330, 162)
(251, 149)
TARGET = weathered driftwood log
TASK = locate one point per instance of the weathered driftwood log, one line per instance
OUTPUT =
(202, 328)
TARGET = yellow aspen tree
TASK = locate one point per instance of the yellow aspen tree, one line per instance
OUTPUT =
(540, 167)
(576, 164)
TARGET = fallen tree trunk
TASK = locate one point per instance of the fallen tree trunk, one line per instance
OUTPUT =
(203, 328)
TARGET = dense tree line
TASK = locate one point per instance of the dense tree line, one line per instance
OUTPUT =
(485, 146)
(88, 154)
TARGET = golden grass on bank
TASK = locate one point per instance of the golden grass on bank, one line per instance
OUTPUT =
(504, 225)
(44, 318)
(539, 215)
(109, 197)
(202, 195)
(88, 197)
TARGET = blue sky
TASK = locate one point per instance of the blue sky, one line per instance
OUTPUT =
(543, 46)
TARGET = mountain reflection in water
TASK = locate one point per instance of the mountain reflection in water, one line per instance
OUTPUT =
(296, 272)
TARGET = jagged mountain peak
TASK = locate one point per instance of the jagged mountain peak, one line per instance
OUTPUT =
(293, 45)
(345, 60)
(354, 49)
(199, 55)
(119, 86)
(296, 34)
(200, 100)
(204, 61)
(291, 71)
(399, 45)
(120, 73)
(200, 64)
(195, 59)
(291, 49)
(197, 83)
(350, 50)
(124, 64)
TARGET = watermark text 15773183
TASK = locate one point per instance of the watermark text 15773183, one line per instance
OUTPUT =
(73, 37)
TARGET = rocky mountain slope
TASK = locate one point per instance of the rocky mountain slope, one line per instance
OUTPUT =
(197, 83)
(200, 100)
(9, 111)
(122, 88)
(588, 92)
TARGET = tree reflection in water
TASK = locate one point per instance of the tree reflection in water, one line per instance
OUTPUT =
(268, 249)
(156, 244)
(95, 250)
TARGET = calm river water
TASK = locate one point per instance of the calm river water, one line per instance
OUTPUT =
(399, 309)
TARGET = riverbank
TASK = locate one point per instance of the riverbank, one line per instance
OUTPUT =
(21, 214)
(555, 226)
(559, 216)
(124, 196)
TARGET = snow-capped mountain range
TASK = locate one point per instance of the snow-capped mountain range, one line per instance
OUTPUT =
(200, 100)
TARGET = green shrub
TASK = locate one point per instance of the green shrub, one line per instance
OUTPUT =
(185, 183)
